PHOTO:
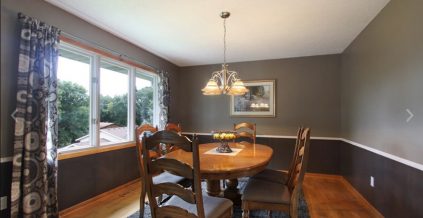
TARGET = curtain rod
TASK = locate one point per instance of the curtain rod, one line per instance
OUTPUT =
(98, 46)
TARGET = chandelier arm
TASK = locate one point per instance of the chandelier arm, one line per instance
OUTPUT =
(218, 77)
(232, 77)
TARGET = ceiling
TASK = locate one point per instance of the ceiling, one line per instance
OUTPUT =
(190, 32)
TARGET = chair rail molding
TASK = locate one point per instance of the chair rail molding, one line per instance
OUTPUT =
(365, 147)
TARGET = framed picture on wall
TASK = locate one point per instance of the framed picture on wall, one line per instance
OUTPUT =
(259, 101)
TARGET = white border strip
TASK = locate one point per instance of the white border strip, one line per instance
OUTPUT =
(270, 136)
(387, 155)
(382, 153)
(379, 152)
(6, 159)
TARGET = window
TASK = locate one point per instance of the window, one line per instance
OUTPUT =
(73, 85)
(100, 100)
(114, 88)
(145, 93)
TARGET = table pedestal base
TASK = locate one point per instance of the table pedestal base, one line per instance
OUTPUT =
(232, 191)
(213, 187)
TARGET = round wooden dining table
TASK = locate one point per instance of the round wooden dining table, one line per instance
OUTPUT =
(247, 159)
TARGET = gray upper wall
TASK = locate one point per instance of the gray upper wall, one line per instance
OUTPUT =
(307, 93)
(382, 76)
(69, 24)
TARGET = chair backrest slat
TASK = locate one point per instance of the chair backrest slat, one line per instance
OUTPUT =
(246, 134)
(174, 212)
(174, 189)
(173, 166)
(174, 127)
(169, 137)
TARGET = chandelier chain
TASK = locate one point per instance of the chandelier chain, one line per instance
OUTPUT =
(224, 41)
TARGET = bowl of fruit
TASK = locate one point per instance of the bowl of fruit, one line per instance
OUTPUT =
(224, 137)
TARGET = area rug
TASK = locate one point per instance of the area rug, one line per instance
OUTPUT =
(237, 213)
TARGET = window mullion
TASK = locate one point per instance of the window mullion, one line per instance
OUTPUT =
(95, 102)
(156, 110)
(131, 104)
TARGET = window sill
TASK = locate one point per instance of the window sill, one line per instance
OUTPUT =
(93, 150)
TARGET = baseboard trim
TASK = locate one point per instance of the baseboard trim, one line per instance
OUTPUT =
(76, 207)
(6, 159)
(321, 175)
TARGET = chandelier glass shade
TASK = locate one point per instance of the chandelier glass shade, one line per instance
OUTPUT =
(224, 81)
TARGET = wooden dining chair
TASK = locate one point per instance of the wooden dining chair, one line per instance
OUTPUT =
(153, 154)
(184, 202)
(277, 175)
(175, 127)
(277, 196)
(241, 128)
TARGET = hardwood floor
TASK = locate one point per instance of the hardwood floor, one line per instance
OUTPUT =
(326, 195)
(333, 196)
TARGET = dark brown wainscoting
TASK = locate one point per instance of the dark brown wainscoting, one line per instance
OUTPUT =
(324, 154)
(82, 178)
(5, 185)
(398, 190)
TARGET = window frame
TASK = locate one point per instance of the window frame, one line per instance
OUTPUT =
(96, 57)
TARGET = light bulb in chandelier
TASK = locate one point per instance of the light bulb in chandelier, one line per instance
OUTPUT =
(211, 88)
(237, 88)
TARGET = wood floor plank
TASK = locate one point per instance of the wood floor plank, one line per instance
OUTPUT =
(326, 196)
(334, 197)
(117, 204)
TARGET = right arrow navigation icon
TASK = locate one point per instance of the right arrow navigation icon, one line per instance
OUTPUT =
(411, 115)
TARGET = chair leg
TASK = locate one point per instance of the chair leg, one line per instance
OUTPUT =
(245, 213)
(245, 210)
(142, 201)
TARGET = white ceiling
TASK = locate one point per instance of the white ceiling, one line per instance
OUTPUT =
(190, 32)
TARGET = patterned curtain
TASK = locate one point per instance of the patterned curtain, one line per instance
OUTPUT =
(164, 98)
(35, 147)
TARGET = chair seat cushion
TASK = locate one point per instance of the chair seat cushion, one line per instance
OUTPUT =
(272, 176)
(213, 206)
(265, 191)
(167, 177)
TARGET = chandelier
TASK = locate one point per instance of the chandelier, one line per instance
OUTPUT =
(224, 81)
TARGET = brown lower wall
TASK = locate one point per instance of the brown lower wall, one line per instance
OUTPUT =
(82, 178)
(398, 190)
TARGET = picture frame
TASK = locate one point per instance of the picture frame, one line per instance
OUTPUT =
(259, 101)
